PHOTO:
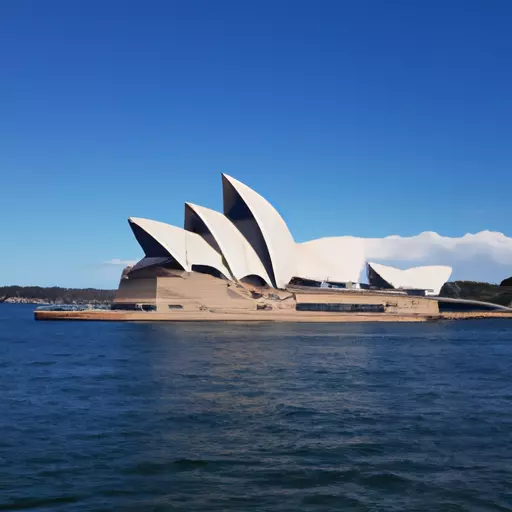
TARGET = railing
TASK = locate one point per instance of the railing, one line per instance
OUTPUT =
(74, 307)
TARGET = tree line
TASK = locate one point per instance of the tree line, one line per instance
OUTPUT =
(474, 290)
(57, 294)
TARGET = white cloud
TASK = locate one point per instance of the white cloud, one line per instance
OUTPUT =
(486, 255)
(491, 245)
(118, 261)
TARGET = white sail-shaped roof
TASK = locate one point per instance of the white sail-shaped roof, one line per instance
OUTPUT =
(252, 240)
(239, 255)
(336, 259)
(263, 227)
(188, 249)
(430, 278)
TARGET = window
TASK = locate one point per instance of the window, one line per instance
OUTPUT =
(133, 307)
(175, 306)
(341, 307)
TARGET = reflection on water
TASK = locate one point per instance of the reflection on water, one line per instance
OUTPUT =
(113, 416)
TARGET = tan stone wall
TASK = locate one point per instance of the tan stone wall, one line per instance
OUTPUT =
(201, 292)
(193, 291)
(137, 290)
(399, 304)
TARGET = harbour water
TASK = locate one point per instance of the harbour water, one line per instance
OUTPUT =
(267, 417)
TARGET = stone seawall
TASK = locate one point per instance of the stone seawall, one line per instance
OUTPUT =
(255, 316)
(472, 315)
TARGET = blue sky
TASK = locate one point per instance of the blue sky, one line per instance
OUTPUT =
(363, 118)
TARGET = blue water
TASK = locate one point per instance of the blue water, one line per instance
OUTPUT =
(233, 417)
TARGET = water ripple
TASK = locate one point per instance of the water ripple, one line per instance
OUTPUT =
(230, 417)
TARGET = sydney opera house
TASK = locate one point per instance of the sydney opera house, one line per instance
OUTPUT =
(246, 259)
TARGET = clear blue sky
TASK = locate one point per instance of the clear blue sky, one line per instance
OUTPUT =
(360, 117)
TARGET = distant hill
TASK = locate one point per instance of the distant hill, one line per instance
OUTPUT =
(477, 291)
(55, 295)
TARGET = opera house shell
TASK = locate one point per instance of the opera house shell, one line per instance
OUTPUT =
(250, 243)
(430, 279)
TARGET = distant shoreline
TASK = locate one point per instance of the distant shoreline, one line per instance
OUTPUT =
(54, 295)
